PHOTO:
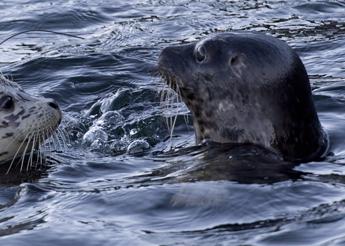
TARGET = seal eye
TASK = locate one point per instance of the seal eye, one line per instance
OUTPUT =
(6, 103)
(200, 54)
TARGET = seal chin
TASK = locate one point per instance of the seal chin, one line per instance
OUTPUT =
(246, 88)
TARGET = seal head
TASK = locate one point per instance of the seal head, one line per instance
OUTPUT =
(25, 121)
(247, 88)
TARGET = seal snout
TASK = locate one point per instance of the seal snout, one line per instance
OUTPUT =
(166, 57)
(55, 106)
(176, 58)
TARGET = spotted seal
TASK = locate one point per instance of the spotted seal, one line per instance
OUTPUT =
(25, 121)
(247, 87)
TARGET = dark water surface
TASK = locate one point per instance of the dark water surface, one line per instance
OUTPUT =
(95, 194)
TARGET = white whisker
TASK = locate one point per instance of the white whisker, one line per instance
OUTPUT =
(31, 152)
(16, 154)
(24, 153)
(63, 139)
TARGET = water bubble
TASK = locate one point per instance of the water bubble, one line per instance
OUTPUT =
(93, 134)
(138, 147)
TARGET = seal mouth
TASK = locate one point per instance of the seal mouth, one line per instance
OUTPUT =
(176, 83)
(29, 146)
(39, 136)
(173, 81)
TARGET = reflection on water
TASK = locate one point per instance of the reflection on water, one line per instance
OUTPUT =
(99, 192)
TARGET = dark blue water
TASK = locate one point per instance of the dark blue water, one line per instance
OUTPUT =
(94, 193)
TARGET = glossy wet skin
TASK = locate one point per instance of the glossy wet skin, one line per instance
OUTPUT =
(247, 88)
(25, 121)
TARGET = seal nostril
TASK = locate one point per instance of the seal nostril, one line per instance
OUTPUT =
(54, 105)
(234, 60)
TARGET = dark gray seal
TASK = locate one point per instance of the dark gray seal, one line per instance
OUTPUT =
(247, 88)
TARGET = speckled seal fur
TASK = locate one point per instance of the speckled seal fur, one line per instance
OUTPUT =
(25, 120)
(247, 88)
